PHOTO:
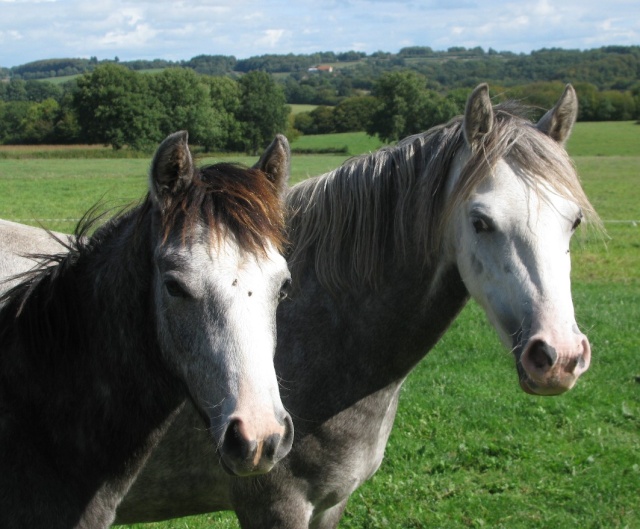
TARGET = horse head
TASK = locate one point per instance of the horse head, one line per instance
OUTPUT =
(518, 202)
(218, 278)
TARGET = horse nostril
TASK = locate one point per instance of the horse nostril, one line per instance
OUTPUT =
(287, 438)
(542, 355)
(236, 444)
(278, 446)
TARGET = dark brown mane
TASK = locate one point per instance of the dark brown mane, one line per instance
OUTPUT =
(231, 197)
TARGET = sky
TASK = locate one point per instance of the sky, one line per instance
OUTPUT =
(176, 30)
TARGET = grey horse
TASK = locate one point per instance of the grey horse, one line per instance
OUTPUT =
(103, 342)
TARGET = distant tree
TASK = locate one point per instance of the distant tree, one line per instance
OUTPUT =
(223, 131)
(635, 93)
(400, 97)
(323, 120)
(12, 118)
(588, 101)
(354, 113)
(349, 56)
(115, 106)
(15, 90)
(262, 112)
(38, 125)
(42, 90)
(416, 51)
(540, 95)
(212, 64)
(184, 103)
(615, 106)
(67, 129)
(406, 107)
(304, 123)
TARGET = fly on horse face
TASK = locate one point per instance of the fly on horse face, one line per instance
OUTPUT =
(102, 344)
(385, 252)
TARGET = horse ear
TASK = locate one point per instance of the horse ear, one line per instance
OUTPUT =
(275, 162)
(171, 167)
(478, 115)
(559, 121)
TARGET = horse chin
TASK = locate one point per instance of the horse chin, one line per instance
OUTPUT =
(524, 385)
(239, 472)
(227, 468)
(529, 386)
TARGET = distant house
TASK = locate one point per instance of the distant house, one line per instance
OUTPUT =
(321, 68)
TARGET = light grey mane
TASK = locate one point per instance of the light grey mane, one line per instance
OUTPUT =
(375, 207)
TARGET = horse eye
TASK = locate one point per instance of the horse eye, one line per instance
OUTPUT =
(480, 225)
(577, 223)
(175, 289)
(284, 289)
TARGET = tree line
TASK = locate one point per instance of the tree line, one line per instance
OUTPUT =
(119, 105)
(608, 67)
(401, 103)
(116, 106)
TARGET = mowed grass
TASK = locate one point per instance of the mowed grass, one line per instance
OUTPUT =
(469, 448)
(351, 143)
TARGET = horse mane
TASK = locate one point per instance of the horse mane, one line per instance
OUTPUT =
(31, 307)
(390, 204)
(230, 198)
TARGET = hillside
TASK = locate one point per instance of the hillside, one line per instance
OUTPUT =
(610, 67)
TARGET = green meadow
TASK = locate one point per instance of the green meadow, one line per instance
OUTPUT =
(469, 449)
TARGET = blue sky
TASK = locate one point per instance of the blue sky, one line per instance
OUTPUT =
(148, 29)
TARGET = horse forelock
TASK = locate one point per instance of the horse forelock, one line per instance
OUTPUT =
(392, 203)
(229, 198)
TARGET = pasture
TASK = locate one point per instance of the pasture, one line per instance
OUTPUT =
(469, 448)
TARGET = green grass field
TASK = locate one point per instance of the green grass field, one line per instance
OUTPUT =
(469, 448)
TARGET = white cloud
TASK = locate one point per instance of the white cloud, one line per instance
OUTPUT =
(38, 29)
(271, 37)
(138, 36)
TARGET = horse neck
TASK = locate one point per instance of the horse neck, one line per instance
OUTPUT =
(96, 393)
(364, 237)
(359, 346)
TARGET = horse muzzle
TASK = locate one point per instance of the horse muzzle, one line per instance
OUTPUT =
(244, 451)
(547, 370)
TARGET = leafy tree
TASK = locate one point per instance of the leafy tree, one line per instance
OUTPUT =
(15, 90)
(304, 123)
(263, 110)
(406, 107)
(401, 97)
(354, 113)
(223, 131)
(12, 118)
(39, 122)
(212, 64)
(183, 103)
(323, 120)
(43, 90)
(67, 129)
(115, 106)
